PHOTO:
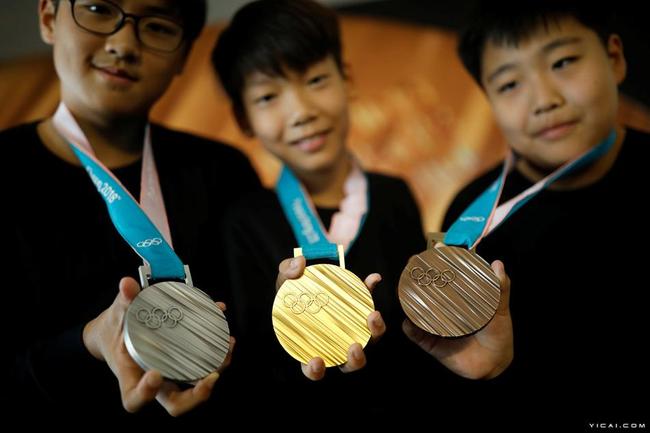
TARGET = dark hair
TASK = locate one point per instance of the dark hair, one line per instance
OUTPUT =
(507, 22)
(192, 12)
(270, 35)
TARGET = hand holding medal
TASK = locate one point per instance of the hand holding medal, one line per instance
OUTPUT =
(482, 355)
(171, 326)
(103, 337)
(176, 329)
(314, 368)
(323, 316)
(452, 292)
(449, 291)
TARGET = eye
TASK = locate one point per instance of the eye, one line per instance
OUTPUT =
(98, 8)
(507, 87)
(162, 28)
(318, 80)
(99, 12)
(564, 62)
(264, 99)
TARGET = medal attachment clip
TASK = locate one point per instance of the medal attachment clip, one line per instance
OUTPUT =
(297, 252)
(145, 275)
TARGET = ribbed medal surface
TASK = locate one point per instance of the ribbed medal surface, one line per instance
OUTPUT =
(449, 291)
(177, 330)
(322, 313)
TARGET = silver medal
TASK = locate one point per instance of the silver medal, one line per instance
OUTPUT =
(176, 329)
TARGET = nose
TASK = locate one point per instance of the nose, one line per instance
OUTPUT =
(124, 42)
(546, 96)
(302, 110)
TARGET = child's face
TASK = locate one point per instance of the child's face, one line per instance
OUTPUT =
(300, 118)
(110, 75)
(555, 94)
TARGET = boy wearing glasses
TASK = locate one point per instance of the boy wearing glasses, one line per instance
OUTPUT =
(114, 60)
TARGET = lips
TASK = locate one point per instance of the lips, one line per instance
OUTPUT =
(117, 74)
(312, 142)
(555, 130)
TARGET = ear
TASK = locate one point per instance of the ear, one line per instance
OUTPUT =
(616, 57)
(46, 18)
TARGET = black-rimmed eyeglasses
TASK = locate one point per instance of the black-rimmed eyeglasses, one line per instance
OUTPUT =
(105, 18)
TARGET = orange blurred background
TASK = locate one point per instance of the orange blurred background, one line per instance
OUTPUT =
(415, 113)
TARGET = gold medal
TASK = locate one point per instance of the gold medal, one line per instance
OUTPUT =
(322, 313)
(449, 291)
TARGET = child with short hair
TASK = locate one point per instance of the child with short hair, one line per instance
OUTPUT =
(280, 62)
(114, 60)
(550, 70)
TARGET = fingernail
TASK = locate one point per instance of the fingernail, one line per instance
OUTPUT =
(316, 367)
(212, 378)
(293, 264)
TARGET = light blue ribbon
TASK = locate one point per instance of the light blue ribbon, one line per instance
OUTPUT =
(469, 227)
(133, 224)
(305, 224)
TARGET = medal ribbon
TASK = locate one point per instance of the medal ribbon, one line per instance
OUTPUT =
(146, 228)
(315, 241)
(483, 216)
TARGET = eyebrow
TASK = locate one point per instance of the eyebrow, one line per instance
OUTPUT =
(163, 11)
(557, 43)
(166, 9)
(569, 40)
(259, 80)
(500, 70)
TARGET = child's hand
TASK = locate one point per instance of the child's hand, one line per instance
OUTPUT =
(482, 355)
(315, 369)
(104, 339)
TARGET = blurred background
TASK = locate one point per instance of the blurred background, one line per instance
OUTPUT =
(415, 113)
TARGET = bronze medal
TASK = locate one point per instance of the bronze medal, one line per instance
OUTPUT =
(449, 291)
(322, 313)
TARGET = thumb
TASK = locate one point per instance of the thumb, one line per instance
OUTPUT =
(129, 289)
(290, 269)
(372, 280)
(411, 331)
(504, 303)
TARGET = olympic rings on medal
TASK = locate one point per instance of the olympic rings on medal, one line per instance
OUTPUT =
(149, 242)
(432, 276)
(306, 302)
(155, 318)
